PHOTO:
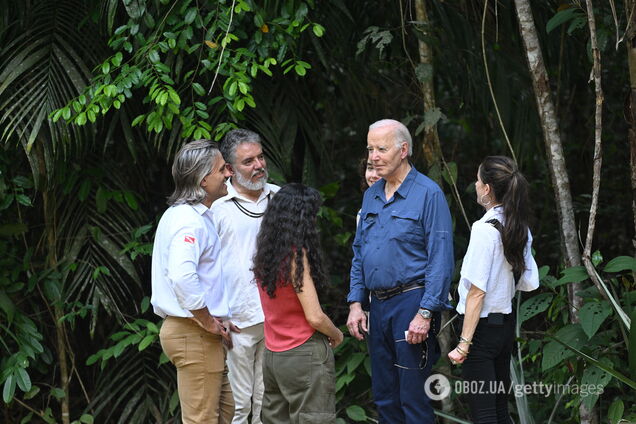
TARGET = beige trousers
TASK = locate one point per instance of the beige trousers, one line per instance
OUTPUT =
(204, 389)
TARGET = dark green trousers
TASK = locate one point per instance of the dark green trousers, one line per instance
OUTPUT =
(300, 384)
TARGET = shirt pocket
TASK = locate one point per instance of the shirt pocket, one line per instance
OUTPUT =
(367, 223)
(405, 226)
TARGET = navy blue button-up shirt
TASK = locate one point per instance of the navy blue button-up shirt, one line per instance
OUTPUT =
(403, 240)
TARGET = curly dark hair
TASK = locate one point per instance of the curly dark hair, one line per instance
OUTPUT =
(288, 229)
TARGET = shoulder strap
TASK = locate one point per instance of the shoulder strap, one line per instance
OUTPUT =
(495, 223)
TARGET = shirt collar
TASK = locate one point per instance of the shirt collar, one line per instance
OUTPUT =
(404, 188)
(494, 212)
(201, 208)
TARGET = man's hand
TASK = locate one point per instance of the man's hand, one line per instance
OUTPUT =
(418, 329)
(231, 328)
(357, 321)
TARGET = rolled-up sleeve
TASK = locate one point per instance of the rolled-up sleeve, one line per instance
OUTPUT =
(183, 260)
(438, 228)
(477, 264)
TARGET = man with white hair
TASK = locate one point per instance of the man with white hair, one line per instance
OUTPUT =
(403, 258)
(237, 217)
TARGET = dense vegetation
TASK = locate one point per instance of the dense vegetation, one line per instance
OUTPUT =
(96, 96)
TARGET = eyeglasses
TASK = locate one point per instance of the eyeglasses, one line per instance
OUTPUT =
(423, 359)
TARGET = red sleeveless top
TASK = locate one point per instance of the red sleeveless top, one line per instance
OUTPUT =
(285, 325)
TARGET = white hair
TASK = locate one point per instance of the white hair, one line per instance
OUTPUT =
(400, 134)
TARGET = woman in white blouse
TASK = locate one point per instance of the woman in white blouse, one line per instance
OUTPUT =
(498, 262)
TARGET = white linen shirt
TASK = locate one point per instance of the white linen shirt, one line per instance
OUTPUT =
(238, 232)
(486, 267)
(186, 270)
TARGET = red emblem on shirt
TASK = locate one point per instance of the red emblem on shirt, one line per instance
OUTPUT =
(189, 239)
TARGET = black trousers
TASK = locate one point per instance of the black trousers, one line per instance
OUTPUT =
(486, 371)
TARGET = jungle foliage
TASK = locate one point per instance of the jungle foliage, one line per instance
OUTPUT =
(97, 96)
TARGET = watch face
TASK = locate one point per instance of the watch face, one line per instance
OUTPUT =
(425, 313)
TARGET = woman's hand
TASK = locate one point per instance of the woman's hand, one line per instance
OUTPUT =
(459, 354)
(334, 342)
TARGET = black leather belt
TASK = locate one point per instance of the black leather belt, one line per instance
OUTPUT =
(388, 293)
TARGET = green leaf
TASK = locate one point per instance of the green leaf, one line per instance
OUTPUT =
(560, 18)
(615, 411)
(23, 199)
(190, 15)
(101, 200)
(23, 182)
(9, 389)
(354, 361)
(597, 258)
(86, 419)
(573, 274)
(198, 88)
(356, 413)
(84, 190)
(318, 30)
(592, 315)
(597, 378)
(621, 263)
(153, 56)
(23, 379)
(32, 393)
(145, 304)
(146, 341)
(534, 306)
(554, 352)
(7, 306)
(58, 393)
(450, 173)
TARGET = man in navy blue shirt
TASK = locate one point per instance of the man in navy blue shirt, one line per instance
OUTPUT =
(403, 258)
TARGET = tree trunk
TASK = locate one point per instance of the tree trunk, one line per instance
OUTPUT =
(430, 147)
(433, 156)
(49, 207)
(556, 160)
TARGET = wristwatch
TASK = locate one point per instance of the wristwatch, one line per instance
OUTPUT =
(425, 313)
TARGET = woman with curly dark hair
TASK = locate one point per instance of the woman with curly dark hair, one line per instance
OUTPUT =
(299, 367)
(497, 263)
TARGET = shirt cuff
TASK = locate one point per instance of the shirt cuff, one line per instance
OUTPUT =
(434, 304)
(358, 295)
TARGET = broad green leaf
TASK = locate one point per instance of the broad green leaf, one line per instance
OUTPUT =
(560, 18)
(354, 361)
(534, 306)
(621, 263)
(594, 379)
(86, 419)
(356, 413)
(101, 200)
(23, 379)
(9, 389)
(615, 411)
(32, 393)
(6, 304)
(147, 341)
(592, 315)
(554, 353)
(573, 274)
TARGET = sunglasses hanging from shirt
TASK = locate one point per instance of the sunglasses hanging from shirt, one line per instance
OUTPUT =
(247, 211)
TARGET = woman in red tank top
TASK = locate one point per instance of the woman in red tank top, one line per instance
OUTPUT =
(298, 366)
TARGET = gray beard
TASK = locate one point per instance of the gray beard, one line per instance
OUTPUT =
(248, 184)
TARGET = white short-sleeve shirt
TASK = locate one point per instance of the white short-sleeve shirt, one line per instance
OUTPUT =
(186, 269)
(486, 267)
